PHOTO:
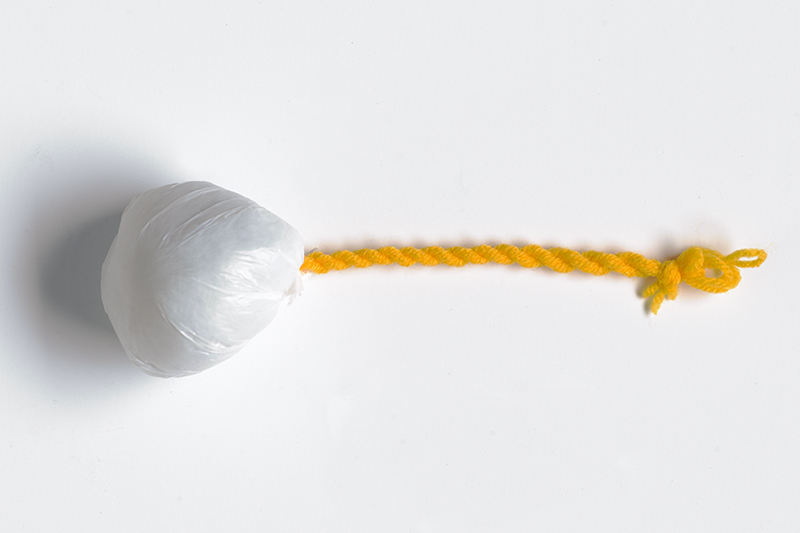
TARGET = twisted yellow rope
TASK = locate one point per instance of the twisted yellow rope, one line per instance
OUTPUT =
(689, 267)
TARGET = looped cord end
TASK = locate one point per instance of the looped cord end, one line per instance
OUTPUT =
(690, 267)
(747, 258)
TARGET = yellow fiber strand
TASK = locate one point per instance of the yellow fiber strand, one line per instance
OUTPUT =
(689, 267)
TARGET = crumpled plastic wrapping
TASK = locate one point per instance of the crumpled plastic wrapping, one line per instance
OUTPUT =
(195, 272)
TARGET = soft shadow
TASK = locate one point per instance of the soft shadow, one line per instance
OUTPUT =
(73, 201)
(70, 275)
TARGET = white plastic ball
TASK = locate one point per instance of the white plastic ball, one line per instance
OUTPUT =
(195, 272)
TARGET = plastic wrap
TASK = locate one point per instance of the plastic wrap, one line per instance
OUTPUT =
(195, 272)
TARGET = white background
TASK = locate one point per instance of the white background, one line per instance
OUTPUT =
(410, 400)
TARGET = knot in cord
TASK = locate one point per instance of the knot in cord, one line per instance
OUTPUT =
(691, 268)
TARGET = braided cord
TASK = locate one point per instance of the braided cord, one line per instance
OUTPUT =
(531, 256)
(690, 267)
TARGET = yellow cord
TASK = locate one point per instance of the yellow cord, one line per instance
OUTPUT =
(689, 267)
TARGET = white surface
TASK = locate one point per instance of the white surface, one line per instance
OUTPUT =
(480, 399)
